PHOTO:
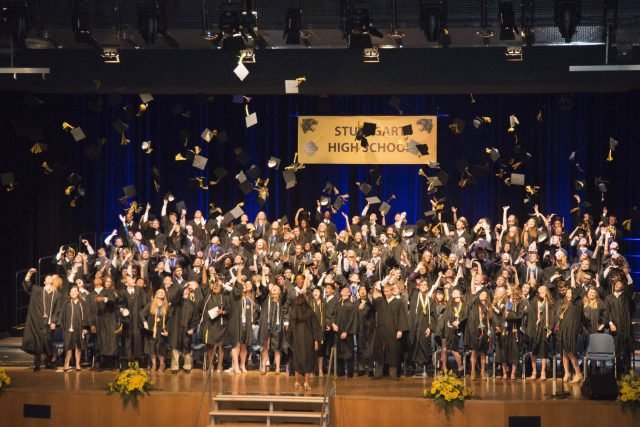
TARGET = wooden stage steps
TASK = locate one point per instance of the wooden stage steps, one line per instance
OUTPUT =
(267, 409)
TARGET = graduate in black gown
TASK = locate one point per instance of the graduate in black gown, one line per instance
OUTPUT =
(540, 319)
(182, 330)
(391, 322)
(134, 298)
(451, 325)
(104, 321)
(42, 317)
(422, 325)
(366, 332)
(345, 326)
(507, 322)
(234, 290)
(74, 321)
(478, 332)
(303, 334)
(595, 314)
(214, 321)
(569, 321)
(318, 307)
(618, 304)
(156, 318)
(270, 332)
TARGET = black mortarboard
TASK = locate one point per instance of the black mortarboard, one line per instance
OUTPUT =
(234, 213)
(373, 200)
(155, 172)
(375, 175)
(185, 134)
(364, 187)
(289, 179)
(220, 172)
(368, 129)
(517, 179)
(169, 196)
(207, 135)
(423, 149)
(407, 130)
(74, 179)
(494, 154)
(328, 188)
(145, 98)
(246, 187)
(78, 134)
(180, 206)
(241, 177)
(120, 126)
(241, 156)
(199, 162)
(385, 208)
(273, 163)
(338, 203)
(284, 220)
(254, 172)
(443, 177)
(129, 191)
(7, 179)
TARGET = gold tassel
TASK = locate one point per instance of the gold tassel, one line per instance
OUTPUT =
(610, 156)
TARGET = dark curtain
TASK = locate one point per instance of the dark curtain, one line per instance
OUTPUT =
(37, 217)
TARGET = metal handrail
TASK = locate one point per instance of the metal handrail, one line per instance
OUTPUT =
(331, 380)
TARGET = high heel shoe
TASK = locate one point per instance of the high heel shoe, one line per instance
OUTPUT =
(566, 378)
(543, 376)
(533, 376)
(296, 385)
(307, 387)
(576, 378)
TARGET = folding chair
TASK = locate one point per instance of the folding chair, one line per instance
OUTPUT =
(601, 348)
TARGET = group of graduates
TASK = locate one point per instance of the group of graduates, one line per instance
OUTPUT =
(385, 296)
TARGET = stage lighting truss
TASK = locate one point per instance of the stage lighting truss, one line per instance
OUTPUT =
(371, 55)
(110, 55)
(514, 54)
(359, 29)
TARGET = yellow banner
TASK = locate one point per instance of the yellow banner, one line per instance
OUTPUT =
(397, 140)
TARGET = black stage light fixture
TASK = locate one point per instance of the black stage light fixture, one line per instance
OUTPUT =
(81, 20)
(507, 19)
(13, 20)
(431, 20)
(293, 25)
(230, 31)
(360, 29)
(567, 17)
(149, 20)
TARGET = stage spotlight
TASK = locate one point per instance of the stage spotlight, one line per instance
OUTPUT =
(431, 20)
(81, 20)
(507, 19)
(567, 17)
(371, 55)
(360, 29)
(230, 31)
(14, 20)
(111, 55)
(148, 20)
(293, 25)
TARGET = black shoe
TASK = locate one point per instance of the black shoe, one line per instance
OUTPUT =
(370, 374)
(174, 371)
(36, 369)
(460, 373)
(360, 373)
(187, 371)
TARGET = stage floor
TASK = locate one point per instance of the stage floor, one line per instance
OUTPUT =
(359, 401)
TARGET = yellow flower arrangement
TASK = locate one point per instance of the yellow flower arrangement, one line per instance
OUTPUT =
(447, 390)
(629, 393)
(131, 383)
(5, 380)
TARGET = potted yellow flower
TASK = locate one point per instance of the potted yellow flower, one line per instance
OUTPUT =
(5, 380)
(448, 391)
(131, 383)
(629, 392)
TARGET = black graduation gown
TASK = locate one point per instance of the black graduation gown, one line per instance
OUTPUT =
(186, 312)
(477, 332)
(155, 342)
(620, 315)
(132, 346)
(593, 318)
(74, 317)
(213, 331)
(509, 322)
(271, 323)
(301, 336)
(540, 319)
(366, 331)
(105, 318)
(422, 316)
(234, 329)
(391, 317)
(44, 309)
(319, 313)
(451, 334)
(329, 337)
(569, 324)
(346, 317)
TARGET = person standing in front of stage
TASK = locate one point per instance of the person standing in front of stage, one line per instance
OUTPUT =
(422, 325)
(42, 317)
(508, 319)
(74, 320)
(156, 317)
(214, 321)
(134, 299)
(478, 331)
(234, 290)
(103, 304)
(618, 304)
(270, 333)
(345, 327)
(318, 307)
(366, 332)
(182, 329)
(391, 322)
(450, 328)
(540, 317)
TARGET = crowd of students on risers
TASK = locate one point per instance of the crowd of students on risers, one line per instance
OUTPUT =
(385, 295)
